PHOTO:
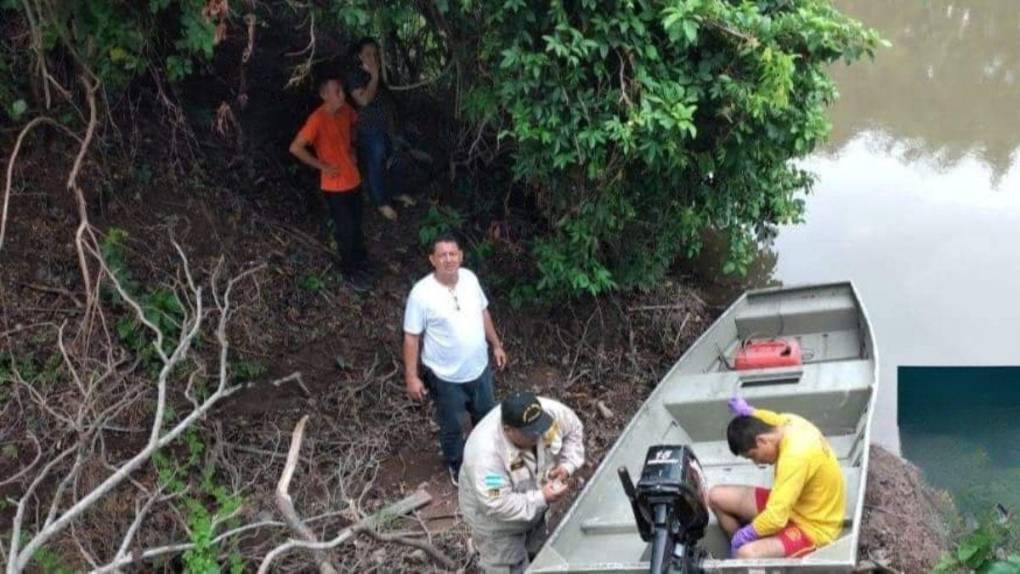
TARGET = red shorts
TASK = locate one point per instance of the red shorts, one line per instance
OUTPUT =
(795, 542)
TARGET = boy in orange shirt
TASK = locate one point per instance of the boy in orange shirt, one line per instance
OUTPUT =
(329, 132)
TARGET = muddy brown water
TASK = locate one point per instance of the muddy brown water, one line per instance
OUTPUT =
(918, 192)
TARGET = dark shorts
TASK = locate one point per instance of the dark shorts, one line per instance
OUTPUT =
(795, 542)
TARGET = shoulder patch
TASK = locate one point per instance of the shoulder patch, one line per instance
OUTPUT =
(553, 433)
(494, 481)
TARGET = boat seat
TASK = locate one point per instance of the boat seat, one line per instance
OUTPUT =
(794, 313)
(717, 453)
(832, 395)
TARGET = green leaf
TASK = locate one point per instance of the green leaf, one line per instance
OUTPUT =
(973, 551)
(690, 31)
(1001, 567)
(125, 328)
(18, 109)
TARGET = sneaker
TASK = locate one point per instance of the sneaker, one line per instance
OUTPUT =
(388, 212)
(406, 200)
(357, 282)
(453, 476)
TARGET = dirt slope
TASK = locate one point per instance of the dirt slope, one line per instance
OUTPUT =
(904, 525)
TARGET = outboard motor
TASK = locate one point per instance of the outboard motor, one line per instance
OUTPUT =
(670, 508)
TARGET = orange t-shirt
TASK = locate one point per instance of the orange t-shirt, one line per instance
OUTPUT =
(330, 134)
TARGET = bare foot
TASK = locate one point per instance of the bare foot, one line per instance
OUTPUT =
(388, 212)
(406, 200)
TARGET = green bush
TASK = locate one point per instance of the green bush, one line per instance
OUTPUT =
(438, 220)
(161, 307)
(205, 503)
(119, 41)
(990, 548)
(633, 127)
(638, 125)
(313, 283)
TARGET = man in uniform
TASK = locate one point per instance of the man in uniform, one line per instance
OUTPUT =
(517, 462)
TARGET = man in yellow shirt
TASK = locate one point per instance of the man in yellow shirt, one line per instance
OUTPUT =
(803, 510)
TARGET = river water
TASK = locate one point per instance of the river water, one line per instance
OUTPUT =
(918, 192)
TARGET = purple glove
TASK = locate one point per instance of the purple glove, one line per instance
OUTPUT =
(740, 408)
(742, 537)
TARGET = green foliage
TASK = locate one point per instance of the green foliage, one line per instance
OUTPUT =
(49, 562)
(244, 371)
(33, 370)
(479, 253)
(991, 548)
(112, 248)
(14, 70)
(120, 41)
(17, 109)
(206, 503)
(438, 220)
(161, 307)
(313, 283)
(637, 126)
(409, 23)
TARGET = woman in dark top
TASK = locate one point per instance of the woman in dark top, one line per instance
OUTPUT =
(374, 146)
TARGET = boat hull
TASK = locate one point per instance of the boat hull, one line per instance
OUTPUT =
(835, 388)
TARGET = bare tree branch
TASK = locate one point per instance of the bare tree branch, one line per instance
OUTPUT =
(31, 465)
(57, 521)
(158, 551)
(286, 504)
(38, 121)
(403, 506)
(429, 549)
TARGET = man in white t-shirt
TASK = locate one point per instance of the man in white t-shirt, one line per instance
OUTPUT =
(449, 310)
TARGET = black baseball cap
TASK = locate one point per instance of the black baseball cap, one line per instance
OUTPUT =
(522, 411)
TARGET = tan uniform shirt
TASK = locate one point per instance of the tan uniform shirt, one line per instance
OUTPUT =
(501, 485)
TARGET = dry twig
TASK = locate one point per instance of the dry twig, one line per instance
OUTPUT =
(286, 504)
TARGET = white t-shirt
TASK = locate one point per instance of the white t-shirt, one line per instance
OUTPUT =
(451, 319)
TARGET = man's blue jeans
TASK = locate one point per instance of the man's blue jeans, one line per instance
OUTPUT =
(373, 149)
(455, 402)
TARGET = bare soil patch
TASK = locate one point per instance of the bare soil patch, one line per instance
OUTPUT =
(905, 524)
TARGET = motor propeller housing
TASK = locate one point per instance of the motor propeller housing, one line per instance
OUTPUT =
(670, 507)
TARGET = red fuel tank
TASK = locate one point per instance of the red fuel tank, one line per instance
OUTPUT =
(768, 354)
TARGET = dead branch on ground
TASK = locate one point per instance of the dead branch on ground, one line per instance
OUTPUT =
(38, 121)
(308, 540)
(286, 504)
(87, 424)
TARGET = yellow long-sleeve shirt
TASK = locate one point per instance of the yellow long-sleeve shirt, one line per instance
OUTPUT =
(808, 489)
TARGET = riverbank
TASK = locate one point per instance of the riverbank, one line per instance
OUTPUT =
(366, 444)
(905, 524)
